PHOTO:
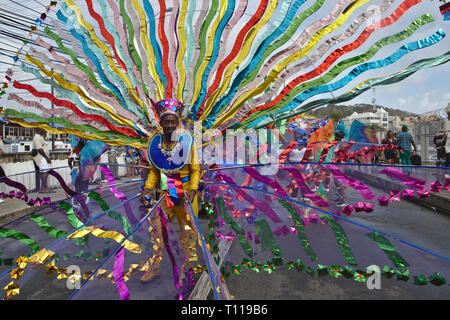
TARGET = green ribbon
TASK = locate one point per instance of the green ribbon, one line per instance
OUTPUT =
(300, 227)
(52, 231)
(81, 127)
(17, 235)
(282, 40)
(132, 49)
(366, 85)
(112, 214)
(341, 239)
(202, 36)
(343, 65)
(76, 62)
(265, 235)
(73, 220)
(163, 180)
(388, 249)
(235, 226)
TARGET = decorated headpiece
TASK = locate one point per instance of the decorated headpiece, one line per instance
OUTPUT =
(169, 106)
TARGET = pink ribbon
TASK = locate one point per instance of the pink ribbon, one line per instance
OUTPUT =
(423, 193)
(355, 184)
(404, 178)
(383, 201)
(436, 186)
(118, 274)
(258, 204)
(348, 210)
(408, 194)
(394, 195)
(306, 192)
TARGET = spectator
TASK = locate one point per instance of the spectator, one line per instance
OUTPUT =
(130, 159)
(404, 141)
(388, 141)
(74, 160)
(340, 187)
(41, 160)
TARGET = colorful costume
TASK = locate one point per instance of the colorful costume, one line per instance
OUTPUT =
(176, 168)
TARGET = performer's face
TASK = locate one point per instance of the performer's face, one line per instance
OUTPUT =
(169, 124)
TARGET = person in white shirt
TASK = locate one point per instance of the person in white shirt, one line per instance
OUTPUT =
(41, 160)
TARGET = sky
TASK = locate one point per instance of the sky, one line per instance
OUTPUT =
(425, 91)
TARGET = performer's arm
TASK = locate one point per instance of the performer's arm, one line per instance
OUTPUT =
(152, 178)
(194, 172)
(194, 169)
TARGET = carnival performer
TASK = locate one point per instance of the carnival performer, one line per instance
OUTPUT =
(174, 166)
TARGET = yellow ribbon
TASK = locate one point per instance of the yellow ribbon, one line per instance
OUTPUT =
(312, 43)
(79, 91)
(82, 135)
(149, 49)
(209, 50)
(243, 53)
(182, 49)
(107, 53)
(113, 235)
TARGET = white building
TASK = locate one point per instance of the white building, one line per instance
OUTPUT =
(379, 118)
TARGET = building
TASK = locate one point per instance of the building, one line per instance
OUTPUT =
(378, 118)
(20, 138)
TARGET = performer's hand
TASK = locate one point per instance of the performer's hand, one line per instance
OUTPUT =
(145, 192)
(191, 195)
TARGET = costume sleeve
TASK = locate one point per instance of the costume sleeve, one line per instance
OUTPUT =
(194, 168)
(152, 178)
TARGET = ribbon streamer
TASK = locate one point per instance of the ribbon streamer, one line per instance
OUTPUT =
(341, 239)
(388, 249)
(119, 274)
(404, 178)
(119, 195)
(235, 226)
(17, 235)
(300, 227)
(355, 184)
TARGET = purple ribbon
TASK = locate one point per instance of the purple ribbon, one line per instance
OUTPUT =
(404, 178)
(258, 204)
(271, 183)
(169, 251)
(119, 195)
(355, 184)
(118, 274)
(306, 192)
(60, 179)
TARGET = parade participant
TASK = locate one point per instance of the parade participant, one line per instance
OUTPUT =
(174, 165)
(404, 141)
(41, 160)
(74, 160)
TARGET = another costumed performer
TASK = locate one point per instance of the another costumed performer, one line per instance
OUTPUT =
(174, 165)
